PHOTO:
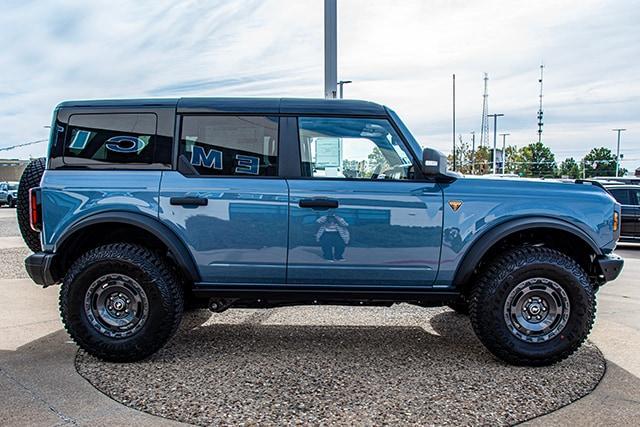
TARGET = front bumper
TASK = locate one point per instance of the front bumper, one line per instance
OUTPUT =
(610, 266)
(40, 267)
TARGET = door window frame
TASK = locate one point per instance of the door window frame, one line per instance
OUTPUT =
(178, 135)
(294, 156)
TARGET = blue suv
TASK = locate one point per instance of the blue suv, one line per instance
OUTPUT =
(145, 207)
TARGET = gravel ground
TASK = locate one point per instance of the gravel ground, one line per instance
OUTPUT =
(12, 263)
(338, 365)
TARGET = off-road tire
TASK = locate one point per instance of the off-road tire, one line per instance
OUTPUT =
(460, 305)
(488, 297)
(163, 291)
(30, 178)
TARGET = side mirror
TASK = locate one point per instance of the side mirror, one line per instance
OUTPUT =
(434, 164)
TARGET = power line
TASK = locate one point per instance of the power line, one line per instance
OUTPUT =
(11, 147)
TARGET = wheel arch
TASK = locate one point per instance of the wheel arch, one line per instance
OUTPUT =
(149, 226)
(491, 238)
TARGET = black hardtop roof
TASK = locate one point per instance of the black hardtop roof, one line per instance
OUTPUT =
(240, 105)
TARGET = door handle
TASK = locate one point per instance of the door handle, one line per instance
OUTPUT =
(188, 201)
(319, 204)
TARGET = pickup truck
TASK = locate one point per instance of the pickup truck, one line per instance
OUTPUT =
(145, 207)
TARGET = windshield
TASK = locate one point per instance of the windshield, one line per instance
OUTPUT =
(13, 186)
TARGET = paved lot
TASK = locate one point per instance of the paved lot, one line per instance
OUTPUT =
(40, 386)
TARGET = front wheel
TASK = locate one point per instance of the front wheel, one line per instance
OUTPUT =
(121, 302)
(533, 306)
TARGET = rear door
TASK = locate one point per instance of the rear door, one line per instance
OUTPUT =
(357, 215)
(226, 200)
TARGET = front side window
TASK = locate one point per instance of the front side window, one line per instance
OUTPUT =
(115, 139)
(230, 145)
(355, 148)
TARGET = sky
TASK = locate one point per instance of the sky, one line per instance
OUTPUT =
(398, 53)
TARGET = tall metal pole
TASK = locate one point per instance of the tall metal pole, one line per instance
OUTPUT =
(540, 112)
(504, 147)
(330, 49)
(618, 151)
(495, 139)
(453, 133)
(473, 152)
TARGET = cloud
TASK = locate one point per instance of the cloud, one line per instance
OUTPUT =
(401, 54)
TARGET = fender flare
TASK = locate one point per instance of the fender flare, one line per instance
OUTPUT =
(176, 247)
(484, 241)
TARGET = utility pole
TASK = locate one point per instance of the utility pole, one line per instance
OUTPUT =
(618, 151)
(453, 133)
(341, 83)
(504, 151)
(330, 49)
(484, 127)
(540, 113)
(495, 138)
(473, 152)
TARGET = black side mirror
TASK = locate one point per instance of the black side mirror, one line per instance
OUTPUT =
(434, 164)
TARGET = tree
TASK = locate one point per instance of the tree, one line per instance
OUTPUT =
(537, 161)
(570, 168)
(600, 162)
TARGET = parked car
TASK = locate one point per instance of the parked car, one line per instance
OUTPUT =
(8, 194)
(629, 198)
(262, 203)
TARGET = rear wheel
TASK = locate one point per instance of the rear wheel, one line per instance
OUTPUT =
(533, 306)
(30, 178)
(121, 302)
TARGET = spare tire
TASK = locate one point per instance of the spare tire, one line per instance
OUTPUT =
(30, 178)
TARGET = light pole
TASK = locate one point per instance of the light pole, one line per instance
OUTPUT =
(341, 83)
(473, 152)
(453, 132)
(330, 48)
(504, 146)
(618, 150)
(495, 138)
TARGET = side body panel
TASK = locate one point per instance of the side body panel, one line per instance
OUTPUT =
(240, 236)
(69, 196)
(490, 202)
(389, 233)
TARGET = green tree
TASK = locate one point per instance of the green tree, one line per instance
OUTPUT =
(376, 159)
(537, 161)
(600, 162)
(570, 168)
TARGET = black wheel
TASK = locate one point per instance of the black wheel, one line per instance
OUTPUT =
(30, 178)
(460, 305)
(121, 302)
(11, 202)
(533, 306)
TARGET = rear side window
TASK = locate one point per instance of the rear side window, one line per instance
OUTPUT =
(622, 196)
(230, 145)
(111, 139)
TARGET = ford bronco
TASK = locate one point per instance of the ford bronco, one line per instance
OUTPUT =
(146, 207)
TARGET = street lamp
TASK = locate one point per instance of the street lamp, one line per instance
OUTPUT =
(341, 83)
(618, 150)
(495, 137)
(504, 146)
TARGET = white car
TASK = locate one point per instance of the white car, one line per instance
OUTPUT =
(8, 193)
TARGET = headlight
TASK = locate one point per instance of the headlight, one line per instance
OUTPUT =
(616, 221)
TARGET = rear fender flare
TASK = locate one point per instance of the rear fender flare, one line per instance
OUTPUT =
(176, 247)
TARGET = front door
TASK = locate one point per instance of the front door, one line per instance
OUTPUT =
(226, 200)
(357, 216)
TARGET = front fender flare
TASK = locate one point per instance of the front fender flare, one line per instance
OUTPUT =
(484, 241)
(180, 252)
